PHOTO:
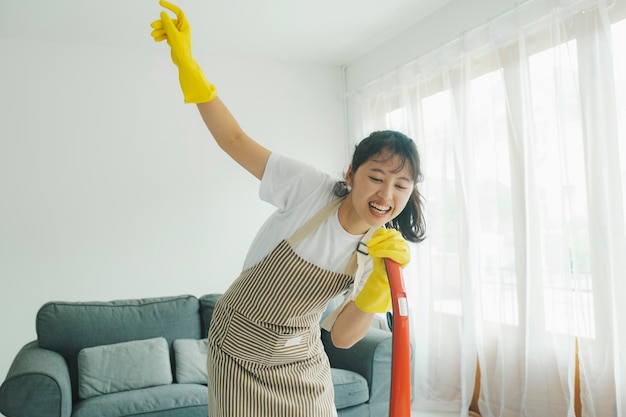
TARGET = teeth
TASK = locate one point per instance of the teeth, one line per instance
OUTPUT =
(380, 208)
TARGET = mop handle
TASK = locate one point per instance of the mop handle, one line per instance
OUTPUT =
(400, 398)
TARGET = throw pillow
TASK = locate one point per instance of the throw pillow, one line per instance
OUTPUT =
(123, 366)
(190, 356)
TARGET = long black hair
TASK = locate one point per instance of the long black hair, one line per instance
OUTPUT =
(410, 222)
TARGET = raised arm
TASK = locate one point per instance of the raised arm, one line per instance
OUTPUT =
(196, 89)
(232, 139)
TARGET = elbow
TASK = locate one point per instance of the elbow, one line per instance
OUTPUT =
(341, 341)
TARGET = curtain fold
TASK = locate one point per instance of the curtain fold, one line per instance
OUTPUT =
(521, 129)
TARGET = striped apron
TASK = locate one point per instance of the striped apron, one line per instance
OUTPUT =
(265, 355)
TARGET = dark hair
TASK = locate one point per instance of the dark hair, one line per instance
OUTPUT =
(410, 222)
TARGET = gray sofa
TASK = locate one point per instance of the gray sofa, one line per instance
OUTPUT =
(144, 357)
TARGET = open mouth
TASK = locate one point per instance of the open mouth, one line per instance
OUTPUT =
(380, 209)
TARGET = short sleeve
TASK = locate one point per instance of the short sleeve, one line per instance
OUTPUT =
(287, 181)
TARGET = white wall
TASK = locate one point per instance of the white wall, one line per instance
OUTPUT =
(112, 188)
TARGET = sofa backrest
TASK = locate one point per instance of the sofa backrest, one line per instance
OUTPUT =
(68, 327)
(207, 305)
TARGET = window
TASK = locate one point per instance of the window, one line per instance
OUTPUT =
(619, 71)
(557, 157)
(560, 164)
(521, 125)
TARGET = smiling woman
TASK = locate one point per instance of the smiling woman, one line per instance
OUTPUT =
(265, 356)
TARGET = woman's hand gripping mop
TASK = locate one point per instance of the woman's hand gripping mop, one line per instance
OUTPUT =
(390, 253)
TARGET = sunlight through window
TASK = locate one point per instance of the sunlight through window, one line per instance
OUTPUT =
(619, 71)
(560, 166)
(442, 208)
(498, 285)
(556, 169)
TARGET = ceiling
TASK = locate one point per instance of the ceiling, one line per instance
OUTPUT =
(327, 32)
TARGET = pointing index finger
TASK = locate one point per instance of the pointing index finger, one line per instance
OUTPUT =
(173, 8)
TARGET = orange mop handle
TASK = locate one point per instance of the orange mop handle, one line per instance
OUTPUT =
(400, 401)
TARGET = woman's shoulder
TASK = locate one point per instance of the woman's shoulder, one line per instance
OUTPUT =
(286, 167)
(287, 182)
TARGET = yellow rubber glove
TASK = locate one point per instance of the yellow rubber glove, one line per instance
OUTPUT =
(177, 32)
(375, 296)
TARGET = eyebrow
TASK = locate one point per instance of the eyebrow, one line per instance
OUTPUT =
(385, 173)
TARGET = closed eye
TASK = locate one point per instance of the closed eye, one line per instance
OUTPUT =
(379, 180)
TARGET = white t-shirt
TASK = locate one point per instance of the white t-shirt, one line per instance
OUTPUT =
(299, 191)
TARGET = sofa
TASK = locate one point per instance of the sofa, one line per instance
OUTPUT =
(147, 357)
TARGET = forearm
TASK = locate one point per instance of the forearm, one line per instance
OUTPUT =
(197, 89)
(350, 326)
(221, 123)
(232, 139)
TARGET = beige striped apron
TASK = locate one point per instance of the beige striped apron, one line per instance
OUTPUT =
(265, 356)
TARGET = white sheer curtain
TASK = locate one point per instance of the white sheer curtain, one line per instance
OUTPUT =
(521, 126)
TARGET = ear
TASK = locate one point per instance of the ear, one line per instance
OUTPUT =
(349, 176)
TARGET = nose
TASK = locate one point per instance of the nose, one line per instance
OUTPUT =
(386, 190)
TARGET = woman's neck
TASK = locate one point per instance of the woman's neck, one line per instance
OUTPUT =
(349, 220)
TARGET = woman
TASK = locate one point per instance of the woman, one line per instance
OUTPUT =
(265, 354)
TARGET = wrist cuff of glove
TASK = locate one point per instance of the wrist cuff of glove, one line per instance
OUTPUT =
(373, 303)
(195, 87)
(200, 95)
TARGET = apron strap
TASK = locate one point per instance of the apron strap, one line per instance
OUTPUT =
(355, 266)
(359, 257)
(314, 222)
(358, 260)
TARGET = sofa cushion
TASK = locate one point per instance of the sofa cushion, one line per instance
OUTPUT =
(174, 400)
(68, 327)
(123, 367)
(350, 388)
(190, 356)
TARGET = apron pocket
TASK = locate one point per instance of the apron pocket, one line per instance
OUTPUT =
(251, 342)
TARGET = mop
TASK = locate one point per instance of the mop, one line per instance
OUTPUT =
(400, 396)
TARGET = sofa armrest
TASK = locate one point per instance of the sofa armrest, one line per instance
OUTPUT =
(370, 357)
(37, 385)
